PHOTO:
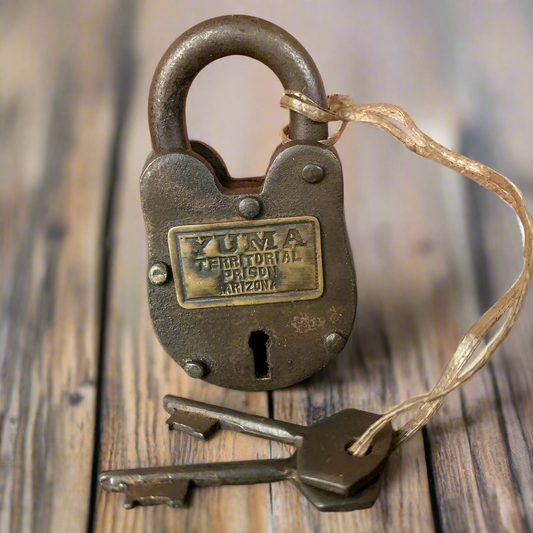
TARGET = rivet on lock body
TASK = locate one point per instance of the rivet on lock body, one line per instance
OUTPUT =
(251, 282)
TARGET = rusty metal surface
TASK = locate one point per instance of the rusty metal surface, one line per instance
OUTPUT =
(245, 346)
(321, 468)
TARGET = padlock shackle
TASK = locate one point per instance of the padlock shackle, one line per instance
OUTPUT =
(222, 37)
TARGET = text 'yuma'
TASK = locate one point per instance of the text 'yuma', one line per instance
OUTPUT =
(233, 243)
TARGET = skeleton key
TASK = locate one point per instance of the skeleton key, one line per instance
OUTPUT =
(171, 484)
(330, 478)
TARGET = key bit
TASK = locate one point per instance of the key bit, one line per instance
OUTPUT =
(196, 426)
(171, 493)
(322, 459)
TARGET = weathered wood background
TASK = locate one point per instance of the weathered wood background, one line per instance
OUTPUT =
(82, 372)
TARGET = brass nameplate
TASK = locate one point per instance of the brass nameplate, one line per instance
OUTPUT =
(247, 263)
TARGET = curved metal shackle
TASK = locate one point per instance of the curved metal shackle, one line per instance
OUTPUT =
(221, 37)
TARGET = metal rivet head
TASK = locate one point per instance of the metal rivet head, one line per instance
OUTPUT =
(335, 342)
(312, 173)
(158, 274)
(195, 369)
(249, 207)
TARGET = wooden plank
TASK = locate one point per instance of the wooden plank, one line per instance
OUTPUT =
(409, 223)
(421, 280)
(56, 126)
(499, 136)
(395, 216)
(417, 295)
(138, 374)
(137, 371)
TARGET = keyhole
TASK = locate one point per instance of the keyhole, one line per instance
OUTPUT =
(259, 342)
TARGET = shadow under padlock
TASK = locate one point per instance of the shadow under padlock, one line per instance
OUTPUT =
(251, 281)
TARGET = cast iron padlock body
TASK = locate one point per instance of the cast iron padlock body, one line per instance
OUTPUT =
(284, 278)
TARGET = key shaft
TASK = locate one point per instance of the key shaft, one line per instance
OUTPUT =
(171, 484)
(201, 420)
(204, 474)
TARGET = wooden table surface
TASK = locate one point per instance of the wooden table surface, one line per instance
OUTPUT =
(83, 374)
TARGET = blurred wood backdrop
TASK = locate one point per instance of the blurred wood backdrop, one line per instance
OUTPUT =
(83, 374)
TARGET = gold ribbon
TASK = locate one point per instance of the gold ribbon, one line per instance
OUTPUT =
(383, 116)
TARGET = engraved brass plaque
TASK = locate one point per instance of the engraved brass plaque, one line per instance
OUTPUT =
(247, 263)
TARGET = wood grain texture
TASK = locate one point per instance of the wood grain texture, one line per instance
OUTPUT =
(137, 372)
(496, 134)
(57, 108)
(432, 252)
(414, 269)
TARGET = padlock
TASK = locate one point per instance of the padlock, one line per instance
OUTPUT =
(251, 283)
